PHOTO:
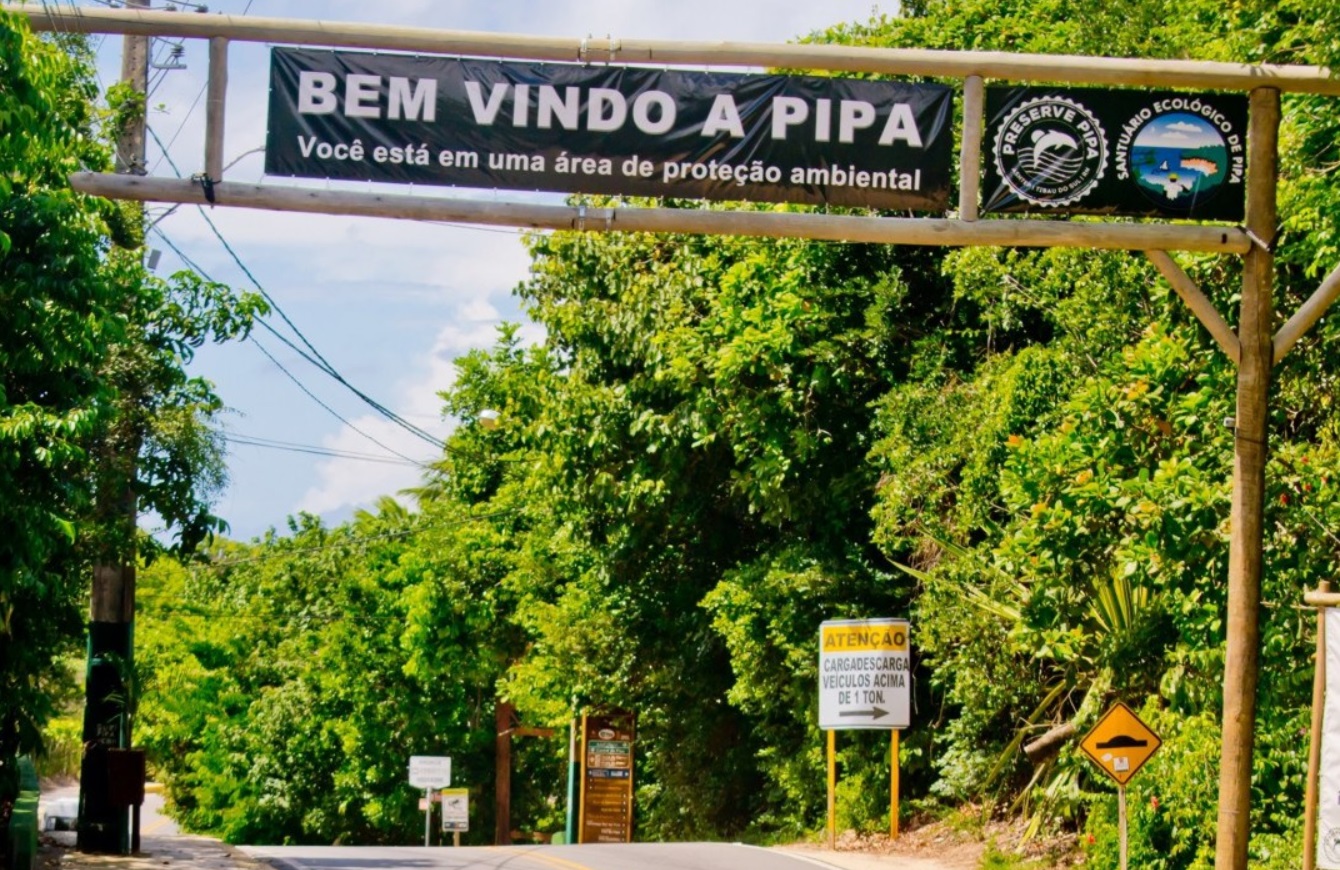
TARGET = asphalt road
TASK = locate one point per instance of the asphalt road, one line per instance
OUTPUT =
(635, 856)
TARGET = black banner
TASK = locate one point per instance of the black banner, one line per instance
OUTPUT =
(608, 129)
(1110, 152)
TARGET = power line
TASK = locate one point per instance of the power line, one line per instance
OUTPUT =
(191, 264)
(315, 357)
(313, 397)
(324, 363)
(196, 267)
(316, 451)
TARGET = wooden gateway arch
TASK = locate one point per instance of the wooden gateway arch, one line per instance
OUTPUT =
(1253, 347)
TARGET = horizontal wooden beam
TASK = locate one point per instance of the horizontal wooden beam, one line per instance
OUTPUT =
(1071, 69)
(1321, 599)
(779, 224)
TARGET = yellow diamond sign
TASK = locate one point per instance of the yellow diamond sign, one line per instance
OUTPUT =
(1120, 743)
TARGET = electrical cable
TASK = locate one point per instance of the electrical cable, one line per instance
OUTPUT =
(324, 364)
(315, 358)
(328, 409)
(317, 451)
(352, 454)
(194, 266)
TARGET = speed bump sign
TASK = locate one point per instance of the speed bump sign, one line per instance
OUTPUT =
(1120, 743)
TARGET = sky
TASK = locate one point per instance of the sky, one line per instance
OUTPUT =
(390, 304)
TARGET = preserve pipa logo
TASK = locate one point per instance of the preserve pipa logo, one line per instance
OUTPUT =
(1051, 151)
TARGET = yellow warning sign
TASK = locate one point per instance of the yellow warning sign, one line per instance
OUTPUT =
(1120, 743)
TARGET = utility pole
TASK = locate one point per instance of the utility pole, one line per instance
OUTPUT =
(103, 819)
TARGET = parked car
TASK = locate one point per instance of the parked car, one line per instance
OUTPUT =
(60, 814)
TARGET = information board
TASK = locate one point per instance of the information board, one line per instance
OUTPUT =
(1116, 152)
(607, 778)
(455, 809)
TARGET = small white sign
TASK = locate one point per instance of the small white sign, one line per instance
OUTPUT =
(865, 674)
(456, 809)
(429, 771)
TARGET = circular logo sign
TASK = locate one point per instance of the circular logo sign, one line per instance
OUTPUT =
(1330, 844)
(1178, 160)
(1051, 151)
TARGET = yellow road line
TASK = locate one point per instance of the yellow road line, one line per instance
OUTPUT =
(160, 822)
(551, 860)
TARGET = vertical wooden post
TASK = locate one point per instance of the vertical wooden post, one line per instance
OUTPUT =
(1242, 653)
(214, 108)
(970, 156)
(893, 784)
(832, 789)
(1314, 740)
(130, 141)
(502, 822)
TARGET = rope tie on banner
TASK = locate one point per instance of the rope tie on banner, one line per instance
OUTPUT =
(207, 185)
(581, 218)
(583, 49)
(615, 47)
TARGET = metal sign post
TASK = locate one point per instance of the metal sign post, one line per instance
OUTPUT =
(1121, 822)
(1120, 744)
(429, 772)
(427, 817)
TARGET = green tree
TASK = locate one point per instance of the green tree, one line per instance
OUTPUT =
(58, 298)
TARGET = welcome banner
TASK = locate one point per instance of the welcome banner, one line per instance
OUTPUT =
(609, 130)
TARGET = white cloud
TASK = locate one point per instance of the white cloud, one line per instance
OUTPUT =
(1183, 127)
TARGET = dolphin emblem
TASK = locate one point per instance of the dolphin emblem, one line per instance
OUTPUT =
(1044, 140)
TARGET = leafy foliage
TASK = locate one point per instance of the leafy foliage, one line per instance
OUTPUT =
(92, 356)
(56, 297)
